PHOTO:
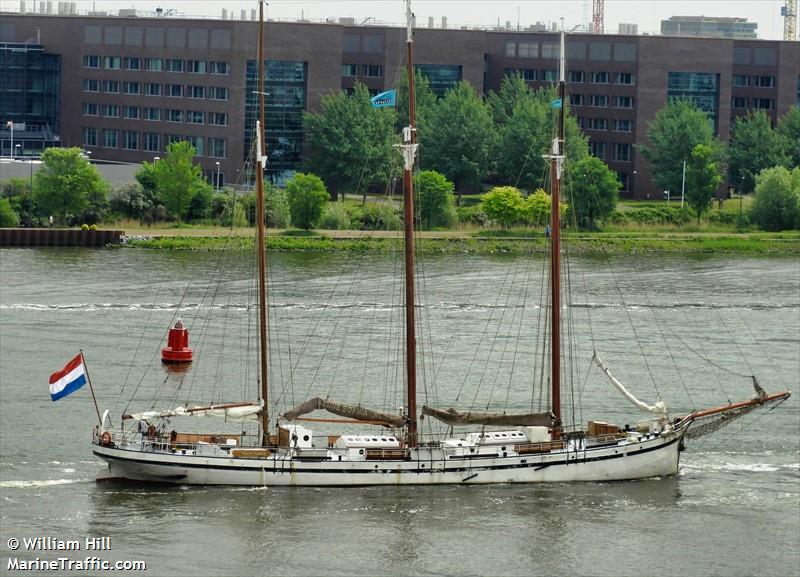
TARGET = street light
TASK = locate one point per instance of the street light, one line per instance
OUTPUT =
(666, 195)
(217, 182)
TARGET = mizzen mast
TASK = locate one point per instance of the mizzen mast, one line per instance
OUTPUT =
(556, 158)
(260, 233)
(409, 151)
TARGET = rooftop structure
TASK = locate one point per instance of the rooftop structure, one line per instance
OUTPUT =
(709, 27)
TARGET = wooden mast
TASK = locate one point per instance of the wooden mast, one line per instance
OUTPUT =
(409, 148)
(556, 171)
(260, 233)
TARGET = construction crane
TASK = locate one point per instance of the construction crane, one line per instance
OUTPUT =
(789, 13)
(597, 15)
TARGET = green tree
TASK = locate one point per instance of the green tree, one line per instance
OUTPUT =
(703, 177)
(277, 210)
(504, 205)
(502, 103)
(307, 198)
(64, 183)
(537, 208)
(754, 146)
(776, 205)
(593, 192)
(789, 131)
(424, 101)
(15, 187)
(8, 218)
(178, 180)
(437, 207)
(675, 131)
(458, 138)
(350, 141)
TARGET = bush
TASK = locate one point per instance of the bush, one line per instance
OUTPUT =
(379, 217)
(335, 217)
(8, 218)
(436, 200)
(278, 213)
(473, 215)
(652, 215)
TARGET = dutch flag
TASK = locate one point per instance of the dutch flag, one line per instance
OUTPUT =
(69, 379)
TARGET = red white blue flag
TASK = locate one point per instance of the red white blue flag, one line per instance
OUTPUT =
(69, 379)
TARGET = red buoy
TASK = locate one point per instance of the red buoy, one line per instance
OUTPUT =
(177, 349)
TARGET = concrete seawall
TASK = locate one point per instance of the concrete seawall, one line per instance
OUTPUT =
(11, 237)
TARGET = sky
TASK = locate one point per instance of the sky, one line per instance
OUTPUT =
(473, 13)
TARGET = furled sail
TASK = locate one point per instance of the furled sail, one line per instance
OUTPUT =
(660, 408)
(230, 412)
(350, 411)
(454, 417)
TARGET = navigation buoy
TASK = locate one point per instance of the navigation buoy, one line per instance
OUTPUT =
(177, 349)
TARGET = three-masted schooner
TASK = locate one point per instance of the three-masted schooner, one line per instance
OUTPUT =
(480, 448)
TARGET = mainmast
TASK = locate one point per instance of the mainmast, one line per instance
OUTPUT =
(260, 233)
(409, 150)
(556, 170)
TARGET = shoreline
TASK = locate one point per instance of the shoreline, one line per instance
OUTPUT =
(458, 242)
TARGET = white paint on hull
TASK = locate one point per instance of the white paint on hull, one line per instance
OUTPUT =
(653, 457)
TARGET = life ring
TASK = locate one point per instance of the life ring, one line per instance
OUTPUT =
(105, 438)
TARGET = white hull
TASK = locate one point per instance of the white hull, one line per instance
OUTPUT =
(655, 456)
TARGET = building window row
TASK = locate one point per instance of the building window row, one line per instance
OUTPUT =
(601, 101)
(156, 89)
(157, 114)
(757, 81)
(365, 70)
(576, 51)
(157, 64)
(151, 141)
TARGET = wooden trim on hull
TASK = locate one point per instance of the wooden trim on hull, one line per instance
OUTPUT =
(651, 458)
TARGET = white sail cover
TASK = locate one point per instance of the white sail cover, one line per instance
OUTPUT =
(660, 408)
(238, 412)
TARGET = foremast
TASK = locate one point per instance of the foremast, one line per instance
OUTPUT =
(260, 234)
(409, 151)
(556, 158)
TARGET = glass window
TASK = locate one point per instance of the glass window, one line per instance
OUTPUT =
(576, 76)
(739, 102)
(349, 70)
(600, 51)
(623, 102)
(91, 109)
(764, 81)
(111, 138)
(196, 66)
(174, 115)
(511, 49)
(442, 77)
(174, 65)
(174, 90)
(152, 89)
(625, 78)
(623, 125)
(351, 43)
(373, 71)
(219, 67)
(763, 103)
(111, 86)
(598, 100)
(599, 77)
(373, 44)
(152, 113)
(196, 91)
(91, 85)
(742, 55)
(130, 87)
(765, 56)
(195, 117)
(624, 52)
(218, 92)
(131, 112)
(528, 50)
(598, 124)
(550, 50)
(575, 99)
(130, 140)
(622, 152)
(133, 63)
(217, 148)
(701, 88)
(113, 62)
(151, 142)
(153, 64)
(550, 75)
(575, 50)
(598, 149)
(89, 136)
(90, 61)
(111, 110)
(741, 80)
(218, 118)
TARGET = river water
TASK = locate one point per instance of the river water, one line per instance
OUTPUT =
(689, 329)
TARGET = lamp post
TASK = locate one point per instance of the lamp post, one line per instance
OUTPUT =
(217, 181)
(10, 124)
(683, 182)
(666, 195)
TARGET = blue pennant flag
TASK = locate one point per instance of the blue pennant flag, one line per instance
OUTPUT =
(556, 103)
(384, 99)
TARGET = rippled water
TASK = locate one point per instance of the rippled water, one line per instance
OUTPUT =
(732, 510)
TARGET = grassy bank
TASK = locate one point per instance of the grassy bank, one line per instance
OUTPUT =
(509, 243)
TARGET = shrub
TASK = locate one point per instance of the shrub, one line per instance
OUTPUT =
(380, 217)
(335, 217)
(8, 218)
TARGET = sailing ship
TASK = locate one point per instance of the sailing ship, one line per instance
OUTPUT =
(476, 447)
